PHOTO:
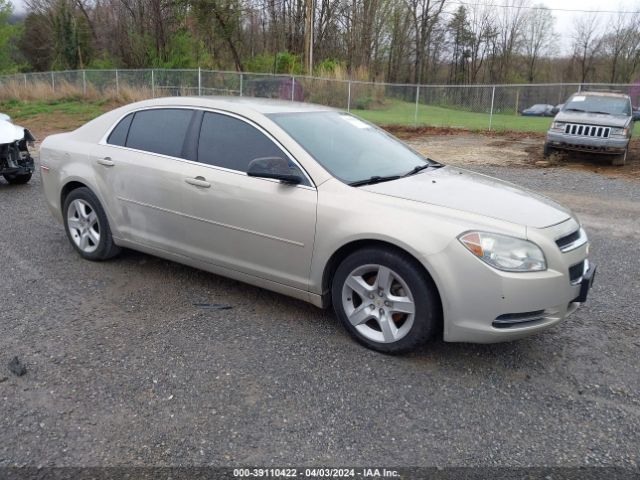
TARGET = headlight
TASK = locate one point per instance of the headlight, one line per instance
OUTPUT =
(622, 132)
(505, 253)
(558, 126)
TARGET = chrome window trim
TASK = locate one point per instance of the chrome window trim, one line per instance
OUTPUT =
(103, 141)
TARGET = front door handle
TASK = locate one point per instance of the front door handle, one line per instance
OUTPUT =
(106, 161)
(198, 182)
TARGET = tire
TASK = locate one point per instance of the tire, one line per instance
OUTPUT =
(380, 277)
(620, 160)
(548, 150)
(87, 227)
(17, 179)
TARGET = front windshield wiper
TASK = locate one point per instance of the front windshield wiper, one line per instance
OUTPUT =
(417, 169)
(373, 180)
(601, 113)
(574, 110)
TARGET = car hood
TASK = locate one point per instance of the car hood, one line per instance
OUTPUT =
(593, 119)
(10, 133)
(471, 192)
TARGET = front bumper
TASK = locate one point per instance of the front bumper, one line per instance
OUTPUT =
(563, 141)
(586, 283)
(485, 305)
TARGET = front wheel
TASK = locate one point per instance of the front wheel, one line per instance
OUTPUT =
(87, 227)
(548, 150)
(17, 179)
(620, 160)
(384, 300)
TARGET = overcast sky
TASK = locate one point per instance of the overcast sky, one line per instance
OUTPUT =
(564, 20)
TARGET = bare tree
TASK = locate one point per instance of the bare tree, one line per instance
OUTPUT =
(511, 21)
(537, 37)
(586, 44)
(424, 15)
(620, 45)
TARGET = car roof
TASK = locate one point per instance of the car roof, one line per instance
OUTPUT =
(263, 106)
(602, 94)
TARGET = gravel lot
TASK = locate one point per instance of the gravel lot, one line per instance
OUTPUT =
(123, 369)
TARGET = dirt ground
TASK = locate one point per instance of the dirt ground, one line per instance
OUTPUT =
(124, 367)
(465, 148)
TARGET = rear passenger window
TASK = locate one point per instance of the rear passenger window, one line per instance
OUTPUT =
(118, 135)
(161, 130)
(231, 143)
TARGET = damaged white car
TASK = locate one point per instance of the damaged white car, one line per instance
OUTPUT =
(16, 164)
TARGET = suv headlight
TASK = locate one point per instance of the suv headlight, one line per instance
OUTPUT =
(620, 132)
(505, 253)
(558, 126)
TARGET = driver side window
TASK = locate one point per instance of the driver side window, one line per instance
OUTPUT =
(231, 143)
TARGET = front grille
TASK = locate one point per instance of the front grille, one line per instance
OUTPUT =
(518, 319)
(587, 130)
(576, 271)
(568, 240)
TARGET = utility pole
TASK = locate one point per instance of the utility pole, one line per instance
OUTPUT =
(308, 36)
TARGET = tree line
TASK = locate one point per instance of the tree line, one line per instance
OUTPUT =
(401, 41)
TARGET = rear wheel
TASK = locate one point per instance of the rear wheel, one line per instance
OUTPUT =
(384, 300)
(17, 179)
(620, 160)
(87, 227)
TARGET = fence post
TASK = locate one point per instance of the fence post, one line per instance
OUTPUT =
(25, 80)
(293, 88)
(241, 82)
(153, 85)
(493, 96)
(415, 115)
(349, 97)
(84, 82)
(53, 82)
(117, 83)
(199, 82)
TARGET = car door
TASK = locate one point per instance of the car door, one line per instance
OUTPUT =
(140, 171)
(257, 226)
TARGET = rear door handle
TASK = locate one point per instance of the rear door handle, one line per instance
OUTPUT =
(106, 161)
(198, 182)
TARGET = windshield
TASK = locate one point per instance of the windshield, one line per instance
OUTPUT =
(599, 104)
(349, 148)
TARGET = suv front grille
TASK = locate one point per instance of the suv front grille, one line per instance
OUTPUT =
(587, 130)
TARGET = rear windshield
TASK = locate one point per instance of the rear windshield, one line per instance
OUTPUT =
(599, 104)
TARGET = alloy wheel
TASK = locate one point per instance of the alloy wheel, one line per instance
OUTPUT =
(378, 303)
(83, 225)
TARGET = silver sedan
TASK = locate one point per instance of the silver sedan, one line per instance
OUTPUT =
(317, 204)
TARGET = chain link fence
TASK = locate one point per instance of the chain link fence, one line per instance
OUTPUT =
(476, 107)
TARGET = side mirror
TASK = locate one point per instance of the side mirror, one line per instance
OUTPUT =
(273, 167)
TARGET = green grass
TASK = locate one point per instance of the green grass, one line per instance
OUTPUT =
(21, 110)
(71, 113)
(403, 113)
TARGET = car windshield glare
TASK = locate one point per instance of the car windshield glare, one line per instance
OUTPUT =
(599, 104)
(351, 149)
